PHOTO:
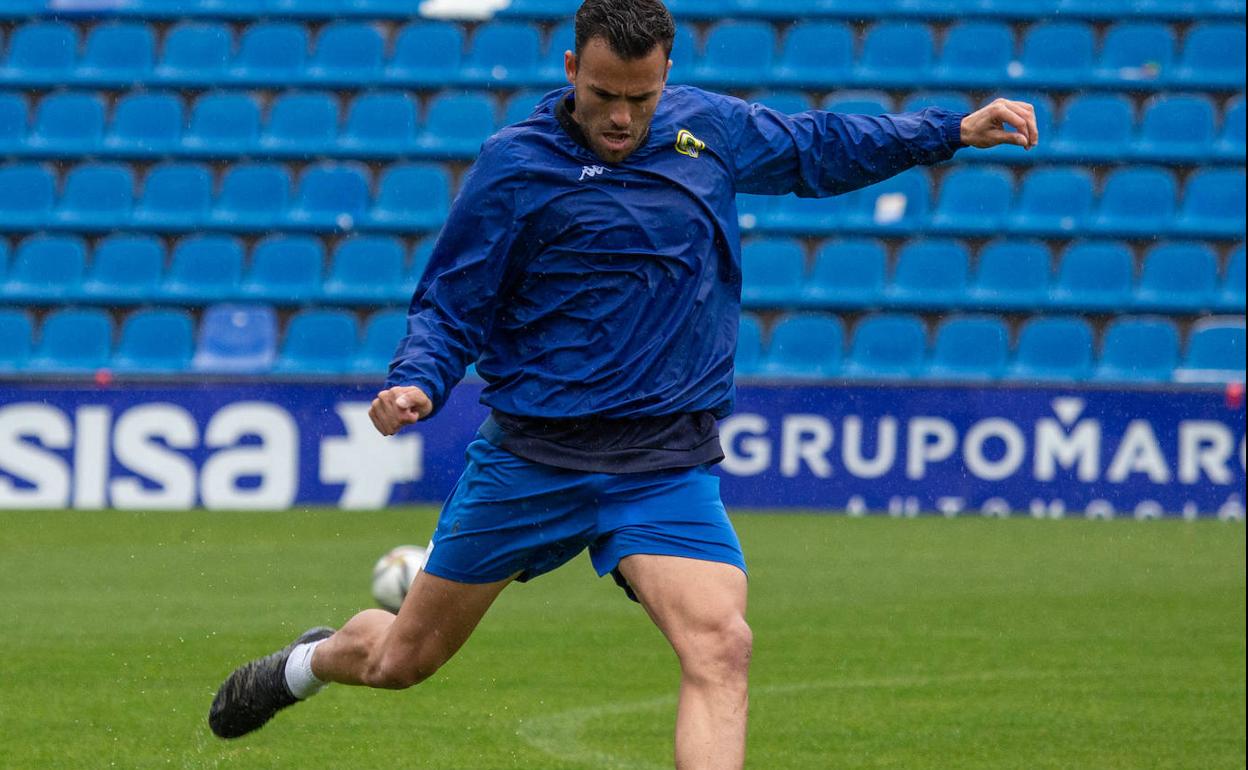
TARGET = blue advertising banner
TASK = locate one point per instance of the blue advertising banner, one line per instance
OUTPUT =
(902, 450)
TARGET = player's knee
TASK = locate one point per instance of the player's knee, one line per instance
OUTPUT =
(721, 653)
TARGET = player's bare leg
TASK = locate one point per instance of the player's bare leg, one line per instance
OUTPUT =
(378, 649)
(700, 607)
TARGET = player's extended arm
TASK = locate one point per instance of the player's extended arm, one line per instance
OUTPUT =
(986, 127)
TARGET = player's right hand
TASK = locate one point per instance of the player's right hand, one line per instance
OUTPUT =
(397, 407)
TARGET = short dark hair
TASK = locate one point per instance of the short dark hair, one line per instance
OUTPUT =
(632, 28)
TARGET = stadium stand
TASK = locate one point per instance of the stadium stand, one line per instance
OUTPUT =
(160, 163)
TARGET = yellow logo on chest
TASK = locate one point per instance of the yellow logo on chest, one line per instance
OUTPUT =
(688, 144)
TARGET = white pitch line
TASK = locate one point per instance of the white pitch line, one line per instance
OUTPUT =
(560, 735)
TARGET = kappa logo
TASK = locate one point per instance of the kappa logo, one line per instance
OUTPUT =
(591, 172)
(688, 144)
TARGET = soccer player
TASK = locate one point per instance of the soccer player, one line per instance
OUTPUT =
(591, 267)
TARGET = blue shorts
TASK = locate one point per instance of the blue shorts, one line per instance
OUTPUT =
(509, 516)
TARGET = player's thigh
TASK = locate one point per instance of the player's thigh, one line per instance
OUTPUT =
(698, 605)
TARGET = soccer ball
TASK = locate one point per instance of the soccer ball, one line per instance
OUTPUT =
(393, 574)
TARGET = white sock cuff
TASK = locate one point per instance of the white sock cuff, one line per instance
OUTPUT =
(299, 677)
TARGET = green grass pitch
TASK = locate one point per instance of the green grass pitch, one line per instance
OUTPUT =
(880, 643)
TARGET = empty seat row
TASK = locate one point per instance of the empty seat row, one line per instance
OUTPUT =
(1091, 276)
(134, 269)
(895, 346)
(1050, 202)
(1062, 54)
(231, 339)
(225, 124)
(1092, 128)
(252, 197)
(238, 339)
(695, 9)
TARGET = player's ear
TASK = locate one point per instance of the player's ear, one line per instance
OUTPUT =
(667, 71)
(569, 66)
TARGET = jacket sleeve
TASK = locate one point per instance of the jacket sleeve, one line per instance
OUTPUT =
(453, 307)
(816, 154)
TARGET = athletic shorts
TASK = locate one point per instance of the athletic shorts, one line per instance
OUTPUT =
(509, 516)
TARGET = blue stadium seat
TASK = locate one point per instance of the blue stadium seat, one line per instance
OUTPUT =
(858, 102)
(1136, 54)
(1095, 275)
(41, 53)
(896, 54)
(271, 52)
(1230, 143)
(427, 52)
(318, 342)
(754, 212)
(457, 125)
(788, 102)
(749, 354)
(1135, 201)
(421, 255)
(331, 196)
(503, 52)
(1012, 275)
(685, 53)
(125, 269)
(976, 54)
(1053, 201)
(46, 269)
(1138, 350)
(411, 197)
(254, 196)
(970, 348)
(521, 105)
(380, 123)
(382, 332)
(302, 124)
(118, 53)
(1231, 294)
(68, 124)
(97, 196)
(1053, 349)
(1178, 276)
(195, 52)
(4, 257)
(1213, 204)
(816, 53)
(285, 269)
(366, 269)
(347, 53)
(930, 273)
(176, 196)
(773, 270)
(1056, 55)
(562, 38)
(1176, 129)
(1215, 352)
(73, 342)
(804, 346)
(14, 123)
(27, 195)
(155, 342)
(1213, 56)
(954, 101)
(897, 205)
(974, 201)
(223, 123)
(1013, 154)
(204, 268)
(737, 53)
(16, 333)
(888, 346)
(146, 124)
(848, 273)
(797, 215)
(1097, 127)
(236, 339)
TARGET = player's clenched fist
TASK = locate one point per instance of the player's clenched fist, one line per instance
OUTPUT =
(397, 407)
(987, 127)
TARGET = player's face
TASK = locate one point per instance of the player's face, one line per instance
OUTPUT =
(615, 98)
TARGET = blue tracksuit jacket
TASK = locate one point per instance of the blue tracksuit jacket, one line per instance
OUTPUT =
(583, 288)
